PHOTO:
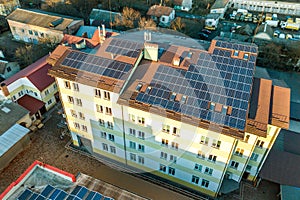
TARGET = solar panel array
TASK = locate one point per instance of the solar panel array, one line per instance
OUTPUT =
(96, 65)
(124, 47)
(235, 46)
(50, 192)
(214, 78)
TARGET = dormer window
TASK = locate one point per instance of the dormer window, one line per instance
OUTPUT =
(224, 110)
(138, 87)
(183, 99)
(246, 56)
(189, 54)
(148, 89)
(172, 97)
(212, 106)
(236, 53)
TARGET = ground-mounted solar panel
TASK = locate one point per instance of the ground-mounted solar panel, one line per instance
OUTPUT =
(25, 194)
(97, 65)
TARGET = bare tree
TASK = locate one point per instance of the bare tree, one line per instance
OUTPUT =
(129, 19)
(178, 25)
(144, 23)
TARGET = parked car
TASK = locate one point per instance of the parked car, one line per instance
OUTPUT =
(206, 31)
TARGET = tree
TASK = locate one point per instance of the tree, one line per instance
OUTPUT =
(24, 55)
(144, 23)
(129, 19)
(178, 25)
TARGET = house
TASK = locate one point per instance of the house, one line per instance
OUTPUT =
(32, 88)
(7, 69)
(220, 7)
(59, 184)
(7, 6)
(162, 15)
(99, 17)
(279, 7)
(13, 132)
(175, 111)
(185, 5)
(212, 21)
(35, 25)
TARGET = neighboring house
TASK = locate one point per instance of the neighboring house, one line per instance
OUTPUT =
(99, 17)
(220, 7)
(7, 6)
(190, 116)
(162, 15)
(54, 183)
(32, 88)
(185, 5)
(7, 69)
(264, 32)
(212, 21)
(13, 132)
(279, 7)
(34, 25)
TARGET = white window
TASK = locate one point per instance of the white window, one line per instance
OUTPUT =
(76, 125)
(113, 149)
(111, 137)
(163, 155)
(141, 120)
(141, 135)
(204, 183)
(201, 155)
(49, 102)
(71, 99)
(162, 168)
(103, 134)
(216, 144)
(132, 131)
(132, 157)
(81, 115)
(234, 164)
(141, 148)
(208, 171)
(198, 167)
(73, 113)
(195, 179)
(173, 158)
(248, 168)
(171, 171)
(108, 111)
(75, 87)
(212, 158)
(84, 128)
(101, 122)
(105, 147)
(166, 128)
(47, 92)
(99, 108)
(67, 85)
(260, 143)
(131, 118)
(78, 102)
(98, 93)
(239, 152)
(175, 145)
(164, 142)
(110, 125)
(204, 140)
(106, 95)
(132, 145)
(141, 160)
(254, 156)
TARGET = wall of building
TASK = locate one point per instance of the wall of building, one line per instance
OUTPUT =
(6, 7)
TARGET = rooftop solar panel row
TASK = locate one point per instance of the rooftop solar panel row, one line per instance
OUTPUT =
(124, 47)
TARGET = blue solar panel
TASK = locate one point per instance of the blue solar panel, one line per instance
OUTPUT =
(25, 194)
(40, 197)
(47, 190)
(55, 193)
(33, 196)
(82, 192)
(61, 196)
(124, 48)
(97, 196)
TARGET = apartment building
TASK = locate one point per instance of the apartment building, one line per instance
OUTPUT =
(33, 26)
(190, 115)
(280, 7)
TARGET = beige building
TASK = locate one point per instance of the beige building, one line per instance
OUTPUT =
(7, 69)
(35, 25)
(7, 6)
(191, 116)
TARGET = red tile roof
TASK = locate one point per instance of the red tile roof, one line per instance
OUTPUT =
(30, 103)
(36, 73)
(158, 11)
(71, 39)
(108, 35)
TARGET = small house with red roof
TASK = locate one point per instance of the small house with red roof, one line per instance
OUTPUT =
(32, 88)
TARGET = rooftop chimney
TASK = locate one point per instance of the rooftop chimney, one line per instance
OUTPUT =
(176, 61)
(103, 30)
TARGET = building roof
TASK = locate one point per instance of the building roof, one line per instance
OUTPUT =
(3, 64)
(219, 4)
(42, 19)
(10, 114)
(100, 16)
(89, 30)
(36, 180)
(158, 11)
(30, 103)
(265, 32)
(10, 137)
(72, 40)
(36, 73)
(289, 192)
(282, 163)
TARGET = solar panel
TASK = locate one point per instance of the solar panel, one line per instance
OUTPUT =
(24, 195)
(97, 65)
(47, 190)
(212, 78)
(124, 48)
(33, 196)
(55, 193)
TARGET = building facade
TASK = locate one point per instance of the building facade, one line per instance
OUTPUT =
(285, 8)
(7, 69)
(127, 102)
(7, 6)
(34, 26)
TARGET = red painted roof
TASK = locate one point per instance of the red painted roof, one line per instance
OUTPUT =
(30, 103)
(37, 73)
